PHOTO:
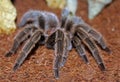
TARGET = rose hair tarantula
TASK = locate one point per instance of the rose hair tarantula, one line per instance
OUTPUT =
(71, 32)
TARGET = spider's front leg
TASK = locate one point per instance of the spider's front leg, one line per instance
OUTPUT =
(59, 39)
(27, 48)
(67, 47)
(19, 38)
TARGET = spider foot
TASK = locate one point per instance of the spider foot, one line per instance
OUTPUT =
(56, 73)
(16, 66)
(85, 59)
(8, 54)
(108, 50)
(102, 66)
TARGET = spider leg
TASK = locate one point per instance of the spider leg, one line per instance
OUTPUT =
(80, 48)
(59, 45)
(92, 47)
(27, 48)
(96, 35)
(22, 36)
(66, 49)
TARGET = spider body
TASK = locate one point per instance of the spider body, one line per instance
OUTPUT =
(60, 35)
(40, 19)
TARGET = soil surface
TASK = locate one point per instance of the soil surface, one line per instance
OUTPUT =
(38, 66)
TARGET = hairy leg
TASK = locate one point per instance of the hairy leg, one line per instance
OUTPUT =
(59, 45)
(92, 47)
(80, 48)
(19, 38)
(78, 22)
(27, 48)
(67, 47)
(96, 35)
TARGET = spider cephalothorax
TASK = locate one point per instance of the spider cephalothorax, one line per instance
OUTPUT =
(70, 32)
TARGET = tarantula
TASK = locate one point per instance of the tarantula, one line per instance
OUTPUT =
(61, 35)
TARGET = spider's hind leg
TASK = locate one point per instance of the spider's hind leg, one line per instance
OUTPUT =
(92, 47)
(19, 38)
(96, 36)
